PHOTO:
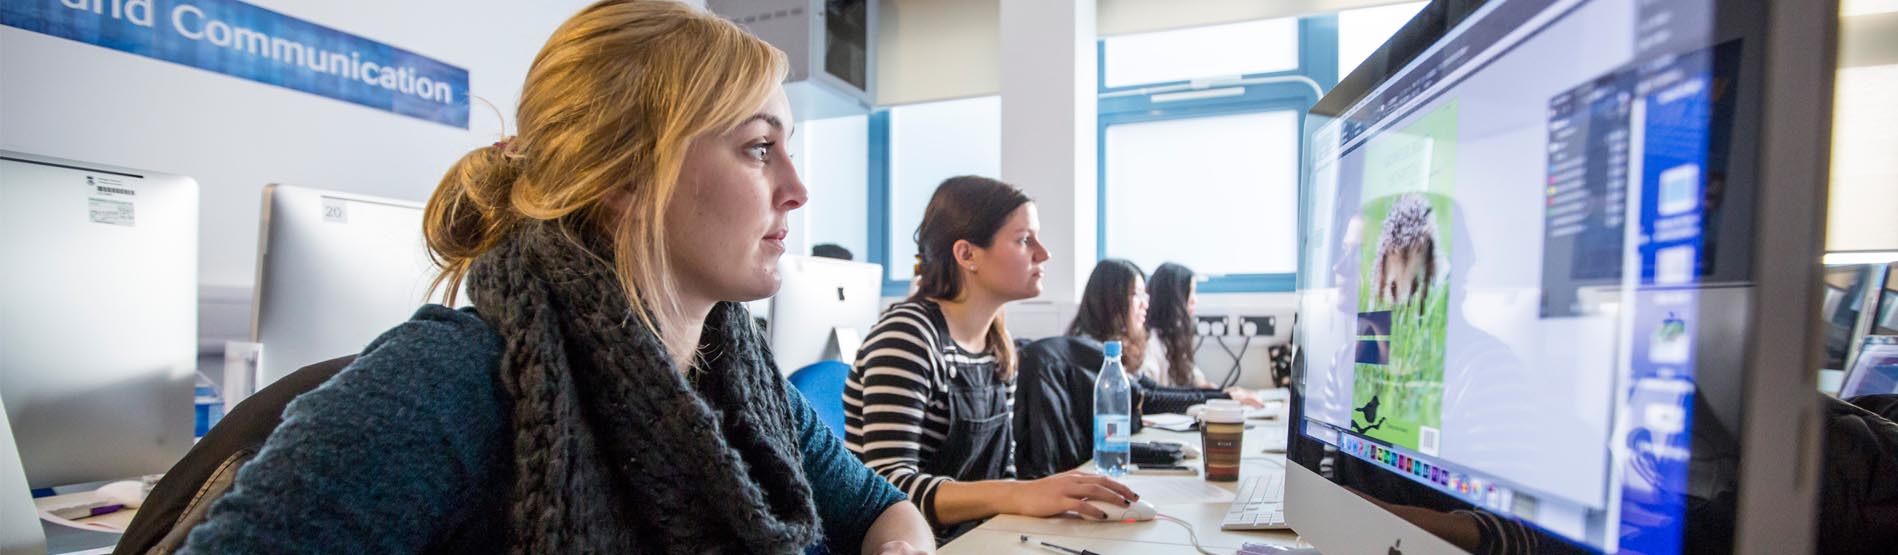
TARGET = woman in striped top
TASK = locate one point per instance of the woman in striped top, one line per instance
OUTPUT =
(929, 400)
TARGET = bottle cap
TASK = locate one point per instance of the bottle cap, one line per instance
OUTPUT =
(1111, 349)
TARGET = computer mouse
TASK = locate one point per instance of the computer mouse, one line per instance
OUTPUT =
(1139, 511)
(130, 493)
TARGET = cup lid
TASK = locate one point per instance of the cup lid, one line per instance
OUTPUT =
(1223, 413)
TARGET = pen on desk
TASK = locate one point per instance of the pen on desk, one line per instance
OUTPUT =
(88, 509)
(1072, 551)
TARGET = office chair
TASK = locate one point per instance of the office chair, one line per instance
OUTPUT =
(184, 496)
(823, 386)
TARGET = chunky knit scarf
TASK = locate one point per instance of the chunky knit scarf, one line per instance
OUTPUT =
(614, 451)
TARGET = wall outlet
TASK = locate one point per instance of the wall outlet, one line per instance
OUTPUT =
(1258, 326)
(1212, 325)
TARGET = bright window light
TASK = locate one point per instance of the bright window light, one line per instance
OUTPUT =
(929, 143)
(1362, 31)
(1228, 50)
(1216, 193)
(832, 164)
(1857, 258)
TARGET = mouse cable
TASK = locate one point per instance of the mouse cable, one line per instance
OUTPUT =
(1190, 534)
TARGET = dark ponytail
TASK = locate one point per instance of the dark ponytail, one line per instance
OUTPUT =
(964, 208)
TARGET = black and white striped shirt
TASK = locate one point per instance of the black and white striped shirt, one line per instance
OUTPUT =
(896, 402)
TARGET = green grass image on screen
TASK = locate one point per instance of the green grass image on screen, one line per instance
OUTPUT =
(1404, 265)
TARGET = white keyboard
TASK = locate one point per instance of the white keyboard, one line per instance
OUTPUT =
(1259, 505)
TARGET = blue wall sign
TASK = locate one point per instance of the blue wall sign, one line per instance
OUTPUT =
(241, 40)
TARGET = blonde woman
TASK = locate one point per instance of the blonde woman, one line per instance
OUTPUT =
(606, 394)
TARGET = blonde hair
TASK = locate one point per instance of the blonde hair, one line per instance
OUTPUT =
(612, 103)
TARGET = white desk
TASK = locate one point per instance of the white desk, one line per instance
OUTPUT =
(1002, 535)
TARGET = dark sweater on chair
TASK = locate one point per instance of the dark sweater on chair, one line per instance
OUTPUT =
(408, 450)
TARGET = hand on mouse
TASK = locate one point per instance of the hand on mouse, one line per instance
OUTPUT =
(1245, 397)
(1069, 492)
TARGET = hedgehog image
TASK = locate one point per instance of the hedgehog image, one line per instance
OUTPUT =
(1406, 264)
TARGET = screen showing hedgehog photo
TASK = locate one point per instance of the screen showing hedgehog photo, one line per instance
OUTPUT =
(1503, 263)
(1397, 390)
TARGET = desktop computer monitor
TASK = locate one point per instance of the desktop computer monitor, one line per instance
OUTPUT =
(1874, 370)
(98, 317)
(1555, 255)
(334, 270)
(822, 310)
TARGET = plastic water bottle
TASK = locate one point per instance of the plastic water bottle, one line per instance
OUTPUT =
(209, 407)
(1113, 407)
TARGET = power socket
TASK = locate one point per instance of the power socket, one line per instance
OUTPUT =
(1211, 325)
(1258, 326)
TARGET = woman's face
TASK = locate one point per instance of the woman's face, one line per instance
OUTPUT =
(1137, 305)
(726, 224)
(1344, 269)
(1010, 267)
(1192, 298)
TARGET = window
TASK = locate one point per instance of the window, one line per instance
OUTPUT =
(1228, 50)
(928, 143)
(1161, 174)
(1201, 133)
(830, 157)
(1362, 31)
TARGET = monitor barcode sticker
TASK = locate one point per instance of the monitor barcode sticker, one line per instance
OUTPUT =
(110, 187)
(1427, 440)
(115, 212)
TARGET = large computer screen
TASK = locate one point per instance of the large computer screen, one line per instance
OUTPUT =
(334, 270)
(1523, 264)
(822, 306)
(98, 317)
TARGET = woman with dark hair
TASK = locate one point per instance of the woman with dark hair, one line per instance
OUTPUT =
(928, 403)
(1174, 293)
(1169, 360)
(1114, 307)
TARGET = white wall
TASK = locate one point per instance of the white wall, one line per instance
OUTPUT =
(937, 50)
(1049, 105)
(1257, 370)
(1124, 17)
(942, 49)
(73, 100)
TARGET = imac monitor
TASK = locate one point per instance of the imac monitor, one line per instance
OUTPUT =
(1539, 242)
(1875, 372)
(334, 270)
(98, 317)
(822, 310)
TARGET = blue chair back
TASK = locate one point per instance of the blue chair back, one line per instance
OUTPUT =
(823, 386)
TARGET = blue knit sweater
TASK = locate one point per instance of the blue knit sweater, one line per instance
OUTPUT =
(409, 450)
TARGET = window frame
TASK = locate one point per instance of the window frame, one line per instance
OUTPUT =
(879, 200)
(1317, 62)
(1294, 90)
